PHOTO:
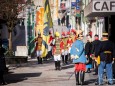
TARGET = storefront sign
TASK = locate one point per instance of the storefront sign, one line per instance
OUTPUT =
(77, 5)
(104, 6)
(73, 4)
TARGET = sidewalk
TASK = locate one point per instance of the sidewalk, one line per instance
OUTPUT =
(33, 74)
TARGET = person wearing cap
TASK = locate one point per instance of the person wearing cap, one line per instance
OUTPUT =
(56, 51)
(78, 55)
(106, 51)
(38, 47)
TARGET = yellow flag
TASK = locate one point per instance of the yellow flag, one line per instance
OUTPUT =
(47, 25)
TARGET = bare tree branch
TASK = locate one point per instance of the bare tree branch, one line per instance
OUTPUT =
(9, 11)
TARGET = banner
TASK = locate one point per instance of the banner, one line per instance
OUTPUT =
(78, 8)
(40, 16)
(47, 24)
(39, 21)
(73, 5)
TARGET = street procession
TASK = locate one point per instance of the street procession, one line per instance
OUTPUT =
(57, 42)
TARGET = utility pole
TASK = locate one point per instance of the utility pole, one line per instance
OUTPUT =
(28, 24)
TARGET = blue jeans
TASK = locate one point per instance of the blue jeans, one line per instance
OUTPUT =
(108, 68)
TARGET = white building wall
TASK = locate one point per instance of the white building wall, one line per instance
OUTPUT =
(93, 29)
(101, 26)
(39, 2)
(55, 10)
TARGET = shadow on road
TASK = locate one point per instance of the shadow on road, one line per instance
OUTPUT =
(18, 77)
(67, 66)
(32, 63)
(90, 81)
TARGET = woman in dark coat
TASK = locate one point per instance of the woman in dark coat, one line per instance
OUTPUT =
(88, 48)
(2, 64)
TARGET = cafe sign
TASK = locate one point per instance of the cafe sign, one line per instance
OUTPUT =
(104, 6)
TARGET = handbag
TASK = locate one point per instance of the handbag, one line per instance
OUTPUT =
(98, 60)
(87, 61)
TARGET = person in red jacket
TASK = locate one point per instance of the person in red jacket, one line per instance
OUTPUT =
(69, 44)
(64, 48)
(49, 55)
(73, 34)
(56, 51)
(38, 47)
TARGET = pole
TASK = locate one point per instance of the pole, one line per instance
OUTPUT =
(29, 22)
(71, 75)
(26, 31)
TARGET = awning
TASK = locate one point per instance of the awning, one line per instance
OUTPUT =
(100, 8)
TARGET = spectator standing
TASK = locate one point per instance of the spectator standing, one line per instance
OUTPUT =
(59, 21)
(88, 48)
(95, 45)
(69, 27)
(106, 51)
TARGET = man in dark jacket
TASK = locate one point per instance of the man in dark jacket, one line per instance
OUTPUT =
(95, 45)
(106, 51)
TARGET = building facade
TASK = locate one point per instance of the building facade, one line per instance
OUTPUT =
(104, 13)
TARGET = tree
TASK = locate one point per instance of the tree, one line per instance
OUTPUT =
(9, 11)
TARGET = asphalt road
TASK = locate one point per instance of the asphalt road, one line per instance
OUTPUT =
(33, 74)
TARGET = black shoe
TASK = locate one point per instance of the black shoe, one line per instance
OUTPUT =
(59, 68)
(63, 64)
(81, 83)
(88, 72)
(98, 83)
(66, 63)
(77, 84)
(110, 83)
(95, 74)
(56, 68)
(4, 83)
